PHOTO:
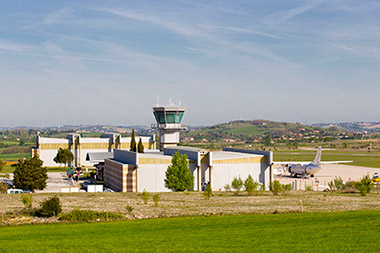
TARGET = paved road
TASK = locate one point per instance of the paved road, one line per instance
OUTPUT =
(56, 181)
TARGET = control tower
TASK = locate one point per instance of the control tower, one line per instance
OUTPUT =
(168, 120)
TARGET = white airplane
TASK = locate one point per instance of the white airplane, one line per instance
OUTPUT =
(305, 169)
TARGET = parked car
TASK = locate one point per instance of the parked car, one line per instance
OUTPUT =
(13, 191)
(106, 189)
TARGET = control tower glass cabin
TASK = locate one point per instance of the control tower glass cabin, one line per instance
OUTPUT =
(168, 124)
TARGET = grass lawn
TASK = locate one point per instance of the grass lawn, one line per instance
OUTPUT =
(14, 156)
(365, 160)
(332, 232)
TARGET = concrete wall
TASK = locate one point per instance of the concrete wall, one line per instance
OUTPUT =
(265, 176)
(224, 173)
(151, 177)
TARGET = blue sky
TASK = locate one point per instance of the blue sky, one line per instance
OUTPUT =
(106, 62)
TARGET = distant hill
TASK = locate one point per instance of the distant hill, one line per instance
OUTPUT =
(353, 126)
(253, 130)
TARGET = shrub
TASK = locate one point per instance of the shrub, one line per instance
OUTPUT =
(89, 215)
(145, 196)
(50, 207)
(286, 188)
(156, 199)
(338, 183)
(309, 188)
(3, 187)
(250, 185)
(364, 185)
(27, 200)
(237, 184)
(275, 187)
(208, 191)
(129, 208)
(227, 188)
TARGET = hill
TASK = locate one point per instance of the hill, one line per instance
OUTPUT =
(256, 130)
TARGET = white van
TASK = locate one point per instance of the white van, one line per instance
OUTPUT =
(12, 191)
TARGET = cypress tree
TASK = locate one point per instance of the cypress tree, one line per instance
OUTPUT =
(140, 147)
(133, 141)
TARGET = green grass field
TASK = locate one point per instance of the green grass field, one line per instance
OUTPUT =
(331, 232)
(365, 160)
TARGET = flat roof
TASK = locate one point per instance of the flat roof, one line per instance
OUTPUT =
(192, 149)
(158, 155)
(217, 155)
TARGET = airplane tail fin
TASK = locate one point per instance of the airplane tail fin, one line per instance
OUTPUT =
(317, 159)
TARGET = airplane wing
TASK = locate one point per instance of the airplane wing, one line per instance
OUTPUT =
(290, 162)
(303, 163)
(335, 162)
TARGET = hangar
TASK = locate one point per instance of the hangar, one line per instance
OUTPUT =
(81, 147)
(133, 172)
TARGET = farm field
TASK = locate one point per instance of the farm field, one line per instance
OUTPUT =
(318, 232)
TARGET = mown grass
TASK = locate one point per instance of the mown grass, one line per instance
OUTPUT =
(321, 232)
(14, 156)
(364, 160)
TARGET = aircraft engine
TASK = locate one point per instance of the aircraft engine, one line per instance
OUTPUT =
(290, 169)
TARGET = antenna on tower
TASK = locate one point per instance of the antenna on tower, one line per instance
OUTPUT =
(158, 101)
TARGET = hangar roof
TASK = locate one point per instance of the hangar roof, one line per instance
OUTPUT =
(216, 155)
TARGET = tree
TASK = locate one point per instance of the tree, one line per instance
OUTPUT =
(29, 174)
(2, 164)
(64, 156)
(133, 141)
(268, 140)
(237, 184)
(178, 175)
(140, 147)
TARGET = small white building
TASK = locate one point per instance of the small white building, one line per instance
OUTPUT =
(81, 147)
(133, 172)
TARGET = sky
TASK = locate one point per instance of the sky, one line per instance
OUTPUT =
(109, 62)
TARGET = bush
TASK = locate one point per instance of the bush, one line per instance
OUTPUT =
(250, 185)
(275, 187)
(309, 188)
(129, 208)
(50, 207)
(227, 188)
(237, 184)
(208, 191)
(337, 184)
(156, 199)
(145, 196)
(364, 185)
(27, 200)
(3, 187)
(89, 215)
